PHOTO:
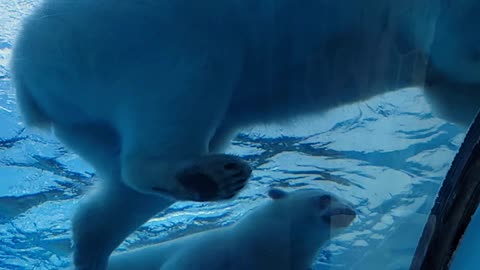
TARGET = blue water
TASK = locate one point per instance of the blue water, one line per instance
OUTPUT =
(387, 156)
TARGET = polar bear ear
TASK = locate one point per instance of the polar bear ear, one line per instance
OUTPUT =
(276, 193)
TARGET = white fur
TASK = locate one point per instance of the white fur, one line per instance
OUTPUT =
(283, 234)
(147, 90)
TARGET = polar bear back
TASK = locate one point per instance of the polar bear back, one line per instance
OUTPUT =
(174, 253)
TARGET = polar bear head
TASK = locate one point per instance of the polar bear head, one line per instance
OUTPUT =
(314, 213)
(293, 226)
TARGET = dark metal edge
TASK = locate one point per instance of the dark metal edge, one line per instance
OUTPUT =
(455, 204)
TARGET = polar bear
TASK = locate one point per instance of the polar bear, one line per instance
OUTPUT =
(150, 91)
(283, 234)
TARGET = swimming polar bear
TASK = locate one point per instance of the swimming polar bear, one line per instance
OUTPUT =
(150, 91)
(283, 234)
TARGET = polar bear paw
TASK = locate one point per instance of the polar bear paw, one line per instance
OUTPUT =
(212, 178)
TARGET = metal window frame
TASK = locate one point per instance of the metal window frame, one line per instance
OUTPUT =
(454, 206)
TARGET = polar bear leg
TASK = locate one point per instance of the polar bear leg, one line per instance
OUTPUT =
(196, 176)
(105, 218)
(31, 112)
(165, 143)
(222, 138)
(97, 143)
(112, 211)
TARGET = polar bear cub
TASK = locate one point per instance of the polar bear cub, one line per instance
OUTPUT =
(283, 234)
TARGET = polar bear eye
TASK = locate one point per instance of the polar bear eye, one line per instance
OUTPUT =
(323, 201)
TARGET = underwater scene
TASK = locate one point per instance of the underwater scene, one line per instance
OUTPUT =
(385, 156)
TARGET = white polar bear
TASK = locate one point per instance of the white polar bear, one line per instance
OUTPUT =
(283, 234)
(148, 90)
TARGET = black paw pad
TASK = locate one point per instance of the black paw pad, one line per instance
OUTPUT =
(201, 184)
(232, 166)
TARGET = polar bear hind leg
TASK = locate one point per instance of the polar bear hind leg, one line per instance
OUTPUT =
(31, 112)
(112, 211)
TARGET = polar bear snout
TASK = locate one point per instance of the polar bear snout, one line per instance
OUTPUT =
(334, 212)
(339, 215)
